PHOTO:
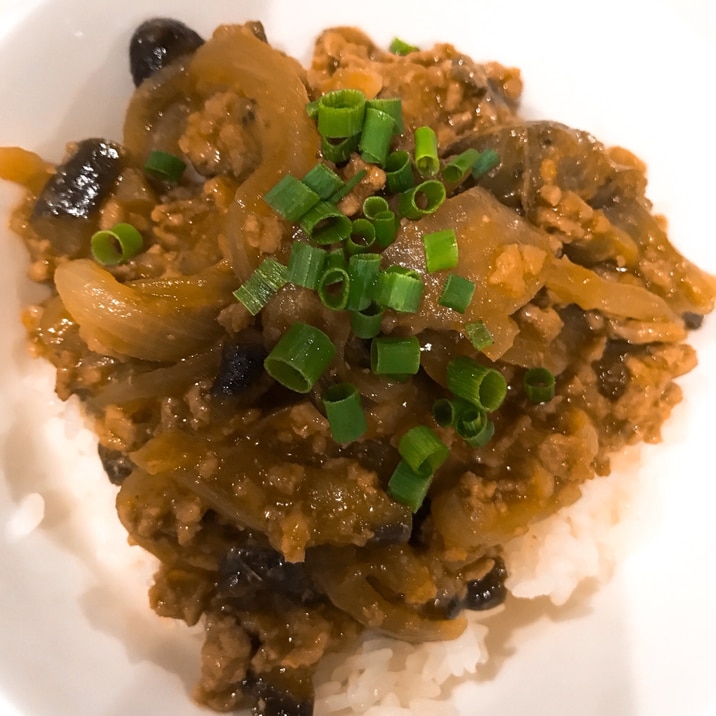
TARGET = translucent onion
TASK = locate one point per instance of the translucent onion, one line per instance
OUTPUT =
(163, 320)
(235, 59)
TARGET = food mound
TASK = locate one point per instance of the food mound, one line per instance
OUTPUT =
(343, 332)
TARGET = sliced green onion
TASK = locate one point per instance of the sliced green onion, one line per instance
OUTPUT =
(339, 151)
(298, 360)
(482, 386)
(392, 106)
(440, 250)
(336, 259)
(398, 172)
(478, 334)
(323, 180)
(116, 245)
(386, 228)
(445, 412)
(268, 277)
(457, 169)
(361, 238)
(291, 198)
(457, 293)
(164, 166)
(539, 385)
(422, 449)
(305, 264)
(341, 113)
(423, 199)
(348, 187)
(374, 205)
(344, 412)
(474, 427)
(363, 270)
(426, 152)
(409, 487)
(489, 159)
(325, 224)
(400, 288)
(333, 287)
(312, 109)
(399, 47)
(391, 355)
(366, 323)
(377, 134)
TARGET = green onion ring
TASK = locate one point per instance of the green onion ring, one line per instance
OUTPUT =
(539, 385)
(344, 412)
(300, 357)
(116, 245)
(482, 386)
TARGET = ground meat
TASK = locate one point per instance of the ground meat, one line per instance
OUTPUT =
(220, 138)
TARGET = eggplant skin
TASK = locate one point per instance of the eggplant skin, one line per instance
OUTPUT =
(156, 43)
(82, 182)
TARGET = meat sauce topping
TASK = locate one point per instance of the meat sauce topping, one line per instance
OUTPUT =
(285, 542)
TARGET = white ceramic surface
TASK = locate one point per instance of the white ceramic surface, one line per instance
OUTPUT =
(76, 636)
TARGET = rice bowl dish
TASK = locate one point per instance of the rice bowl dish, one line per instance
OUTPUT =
(474, 651)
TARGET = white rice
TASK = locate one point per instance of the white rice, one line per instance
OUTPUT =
(27, 517)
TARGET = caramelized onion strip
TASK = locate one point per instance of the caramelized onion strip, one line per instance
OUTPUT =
(127, 320)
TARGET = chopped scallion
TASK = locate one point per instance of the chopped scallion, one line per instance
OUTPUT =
(348, 187)
(363, 270)
(291, 198)
(344, 412)
(409, 487)
(366, 323)
(422, 449)
(334, 286)
(268, 277)
(164, 166)
(445, 412)
(457, 293)
(361, 238)
(339, 151)
(474, 427)
(457, 169)
(386, 228)
(539, 385)
(399, 172)
(487, 160)
(482, 386)
(392, 106)
(421, 200)
(323, 180)
(336, 259)
(298, 360)
(305, 264)
(400, 288)
(440, 250)
(391, 355)
(478, 334)
(400, 47)
(374, 205)
(341, 113)
(312, 109)
(116, 245)
(378, 131)
(325, 224)
(426, 151)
